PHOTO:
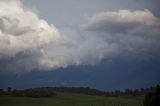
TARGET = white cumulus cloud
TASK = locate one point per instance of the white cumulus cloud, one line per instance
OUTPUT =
(136, 32)
(28, 42)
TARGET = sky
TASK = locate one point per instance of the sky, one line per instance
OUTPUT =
(102, 44)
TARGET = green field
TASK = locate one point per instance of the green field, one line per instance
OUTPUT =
(72, 99)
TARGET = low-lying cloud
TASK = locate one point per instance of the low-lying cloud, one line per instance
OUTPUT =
(28, 42)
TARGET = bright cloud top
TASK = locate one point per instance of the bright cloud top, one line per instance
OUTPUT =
(135, 32)
(121, 20)
(22, 30)
(28, 43)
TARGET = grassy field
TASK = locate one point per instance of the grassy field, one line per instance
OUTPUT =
(72, 99)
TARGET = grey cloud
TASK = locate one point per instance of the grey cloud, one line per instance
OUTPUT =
(120, 21)
(135, 32)
(13, 28)
(23, 35)
(28, 42)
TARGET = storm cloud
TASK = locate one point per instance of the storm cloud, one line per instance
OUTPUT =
(135, 32)
(28, 42)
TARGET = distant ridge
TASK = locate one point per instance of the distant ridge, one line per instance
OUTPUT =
(84, 90)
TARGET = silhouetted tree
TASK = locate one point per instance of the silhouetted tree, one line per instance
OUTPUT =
(136, 92)
(36, 93)
(128, 91)
(1, 90)
(153, 97)
(9, 89)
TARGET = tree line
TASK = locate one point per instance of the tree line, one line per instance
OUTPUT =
(152, 94)
(83, 90)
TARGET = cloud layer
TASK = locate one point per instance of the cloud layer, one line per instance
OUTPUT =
(28, 42)
(135, 32)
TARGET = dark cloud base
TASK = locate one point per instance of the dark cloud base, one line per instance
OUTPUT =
(105, 76)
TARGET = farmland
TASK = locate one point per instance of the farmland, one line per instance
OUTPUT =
(72, 99)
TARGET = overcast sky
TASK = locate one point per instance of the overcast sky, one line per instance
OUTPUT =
(57, 42)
